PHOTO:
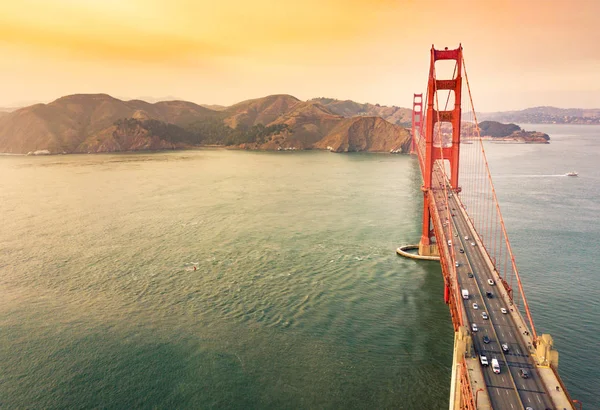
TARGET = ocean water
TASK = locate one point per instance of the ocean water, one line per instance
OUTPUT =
(230, 279)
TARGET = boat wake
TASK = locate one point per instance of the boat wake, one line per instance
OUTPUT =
(531, 176)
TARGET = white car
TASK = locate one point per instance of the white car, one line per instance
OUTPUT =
(484, 315)
(503, 311)
(505, 347)
(484, 361)
(474, 327)
(472, 243)
(456, 264)
(495, 366)
(466, 238)
(475, 306)
(491, 282)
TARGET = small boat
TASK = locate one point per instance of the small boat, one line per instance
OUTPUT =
(572, 174)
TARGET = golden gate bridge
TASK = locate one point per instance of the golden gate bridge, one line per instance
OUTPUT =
(500, 361)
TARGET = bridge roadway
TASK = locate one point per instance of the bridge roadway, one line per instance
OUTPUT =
(507, 390)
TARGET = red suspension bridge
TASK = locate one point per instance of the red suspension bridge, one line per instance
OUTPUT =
(500, 361)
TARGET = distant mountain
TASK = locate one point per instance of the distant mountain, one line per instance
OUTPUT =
(100, 123)
(348, 108)
(214, 107)
(4, 110)
(546, 115)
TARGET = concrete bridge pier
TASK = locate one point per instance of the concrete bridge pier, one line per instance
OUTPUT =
(429, 250)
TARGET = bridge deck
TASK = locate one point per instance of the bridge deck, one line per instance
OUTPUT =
(507, 390)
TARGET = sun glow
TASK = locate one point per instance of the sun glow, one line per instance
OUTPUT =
(374, 51)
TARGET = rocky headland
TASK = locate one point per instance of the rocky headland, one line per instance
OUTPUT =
(500, 132)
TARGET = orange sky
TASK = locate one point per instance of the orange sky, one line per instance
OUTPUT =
(518, 53)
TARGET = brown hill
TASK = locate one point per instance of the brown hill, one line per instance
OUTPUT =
(100, 123)
(126, 135)
(348, 108)
(259, 111)
(310, 125)
(63, 125)
(307, 122)
(366, 134)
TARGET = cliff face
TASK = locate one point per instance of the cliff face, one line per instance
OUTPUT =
(366, 134)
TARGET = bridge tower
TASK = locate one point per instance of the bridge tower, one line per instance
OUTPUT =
(450, 149)
(417, 121)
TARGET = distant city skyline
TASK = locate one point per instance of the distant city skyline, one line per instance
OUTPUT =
(518, 54)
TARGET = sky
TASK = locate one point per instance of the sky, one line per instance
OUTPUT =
(518, 53)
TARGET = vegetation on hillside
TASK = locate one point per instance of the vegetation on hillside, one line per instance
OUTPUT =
(210, 131)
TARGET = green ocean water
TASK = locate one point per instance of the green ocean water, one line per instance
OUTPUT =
(297, 300)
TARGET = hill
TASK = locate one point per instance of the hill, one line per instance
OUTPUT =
(67, 123)
(511, 133)
(259, 111)
(89, 123)
(348, 108)
(546, 115)
(497, 129)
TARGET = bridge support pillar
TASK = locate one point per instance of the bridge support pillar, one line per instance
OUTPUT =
(439, 149)
(428, 249)
(545, 354)
(417, 120)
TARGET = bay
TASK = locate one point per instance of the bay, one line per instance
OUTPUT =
(232, 279)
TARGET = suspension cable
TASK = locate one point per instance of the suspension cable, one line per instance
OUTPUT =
(495, 201)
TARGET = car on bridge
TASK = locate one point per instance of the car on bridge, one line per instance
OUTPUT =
(505, 347)
(466, 238)
(484, 315)
(489, 295)
(495, 366)
(474, 327)
(491, 282)
(486, 339)
(523, 373)
(456, 264)
(484, 361)
(503, 310)
(461, 250)
(475, 306)
(470, 274)
(472, 243)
